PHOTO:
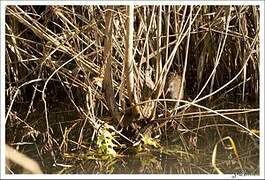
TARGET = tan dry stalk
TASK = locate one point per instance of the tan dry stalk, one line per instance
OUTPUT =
(107, 81)
(129, 60)
(22, 160)
(158, 42)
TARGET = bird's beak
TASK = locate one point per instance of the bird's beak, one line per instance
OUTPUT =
(167, 91)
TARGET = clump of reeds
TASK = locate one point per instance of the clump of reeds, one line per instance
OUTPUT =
(106, 68)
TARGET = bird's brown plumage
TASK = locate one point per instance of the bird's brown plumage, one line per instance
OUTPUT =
(174, 87)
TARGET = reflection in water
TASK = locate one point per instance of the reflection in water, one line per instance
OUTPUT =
(179, 152)
(171, 160)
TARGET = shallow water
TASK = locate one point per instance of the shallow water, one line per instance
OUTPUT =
(180, 153)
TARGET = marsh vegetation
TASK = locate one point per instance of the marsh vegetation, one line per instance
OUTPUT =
(89, 88)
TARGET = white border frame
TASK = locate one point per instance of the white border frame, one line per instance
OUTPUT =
(134, 176)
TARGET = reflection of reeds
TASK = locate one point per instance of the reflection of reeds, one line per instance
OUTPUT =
(115, 61)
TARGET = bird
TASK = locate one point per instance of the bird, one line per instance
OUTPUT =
(174, 86)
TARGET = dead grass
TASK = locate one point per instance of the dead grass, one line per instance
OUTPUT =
(110, 65)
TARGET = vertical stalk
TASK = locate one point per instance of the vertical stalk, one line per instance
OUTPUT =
(158, 56)
(107, 54)
(129, 62)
